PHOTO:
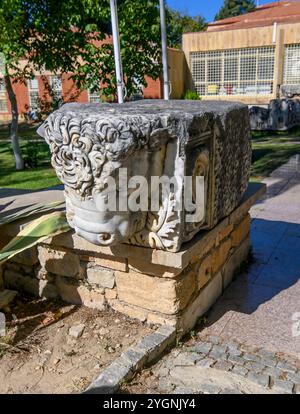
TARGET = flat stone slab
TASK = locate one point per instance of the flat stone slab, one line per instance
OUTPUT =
(216, 365)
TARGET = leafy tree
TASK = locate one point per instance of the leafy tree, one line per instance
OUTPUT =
(139, 27)
(179, 23)
(71, 36)
(233, 8)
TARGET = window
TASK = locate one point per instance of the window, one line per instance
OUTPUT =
(291, 71)
(56, 87)
(248, 71)
(3, 100)
(231, 69)
(94, 96)
(33, 88)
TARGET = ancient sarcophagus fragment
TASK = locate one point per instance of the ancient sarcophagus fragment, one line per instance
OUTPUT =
(149, 173)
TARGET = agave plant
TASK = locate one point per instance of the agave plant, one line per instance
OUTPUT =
(35, 232)
(29, 212)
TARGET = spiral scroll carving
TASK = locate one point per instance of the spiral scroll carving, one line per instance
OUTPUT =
(80, 148)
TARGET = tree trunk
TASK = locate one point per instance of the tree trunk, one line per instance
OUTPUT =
(14, 123)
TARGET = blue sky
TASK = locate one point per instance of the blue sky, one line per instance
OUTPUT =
(207, 8)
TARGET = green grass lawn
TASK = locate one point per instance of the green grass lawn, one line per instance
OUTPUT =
(34, 178)
(279, 136)
(268, 156)
(25, 132)
(272, 149)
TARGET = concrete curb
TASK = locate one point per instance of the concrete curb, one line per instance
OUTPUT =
(132, 360)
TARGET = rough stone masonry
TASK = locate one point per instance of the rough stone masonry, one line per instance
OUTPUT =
(160, 269)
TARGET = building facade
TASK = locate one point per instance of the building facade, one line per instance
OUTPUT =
(31, 92)
(247, 58)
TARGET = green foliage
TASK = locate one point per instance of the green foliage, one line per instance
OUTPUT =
(290, 135)
(31, 155)
(34, 178)
(189, 94)
(178, 23)
(233, 8)
(269, 155)
(68, 36)
(139, 27)
(35, 232)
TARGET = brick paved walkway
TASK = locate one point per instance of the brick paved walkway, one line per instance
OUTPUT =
(257, 312)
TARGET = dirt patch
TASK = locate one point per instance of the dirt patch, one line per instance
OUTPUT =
(40, 354)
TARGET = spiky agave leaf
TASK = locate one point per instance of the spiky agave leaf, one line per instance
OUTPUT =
(29, 212)
(35, 232)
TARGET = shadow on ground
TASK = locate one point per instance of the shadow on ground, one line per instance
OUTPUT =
(259, 305)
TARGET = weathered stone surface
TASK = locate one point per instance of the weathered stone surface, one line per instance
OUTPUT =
(281, 115)
(186, 358)
(204, 273)
(22, 269)
(7, 296)
(261, 379)
(224, 233)
(28, 257)
(59, 262)
(286, 366)
(161, 319)
(241, 232)
(147, 268)
(111, 263)
(202, 347)
(283, 386)
(36, 287)
(170, 139)
(219, 256)
(108, 381)
(289, 91)
(295, 377)
(154, 344)
(79, 294)
(134, 312)
(234, 262)
(236, 359)
(255, 367)
(76, 330)
(191, 251)
(111, 293)
(154, 293)
(100, 276)
(41, 273)
(206, 298)
(218, 351)
(240, 370)
(297, 389)
(223, 365)
(135, 357)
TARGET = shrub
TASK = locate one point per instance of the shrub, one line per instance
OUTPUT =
(192, 95)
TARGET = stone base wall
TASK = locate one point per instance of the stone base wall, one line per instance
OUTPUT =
(151, 285)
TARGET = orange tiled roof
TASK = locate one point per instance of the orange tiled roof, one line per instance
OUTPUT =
(266, 15)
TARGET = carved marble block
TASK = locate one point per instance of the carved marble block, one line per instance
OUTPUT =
(93, 143)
